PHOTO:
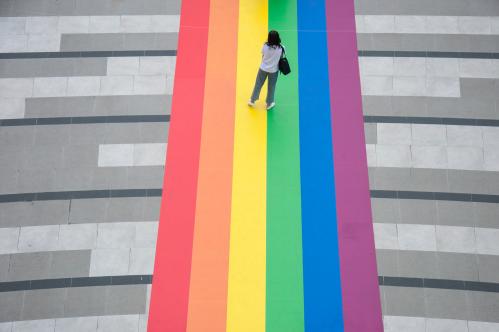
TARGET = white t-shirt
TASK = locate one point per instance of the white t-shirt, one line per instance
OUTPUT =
(271, 56)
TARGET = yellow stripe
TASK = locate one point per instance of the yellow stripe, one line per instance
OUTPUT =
(246, 289)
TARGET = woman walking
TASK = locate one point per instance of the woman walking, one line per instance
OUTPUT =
(271, 53)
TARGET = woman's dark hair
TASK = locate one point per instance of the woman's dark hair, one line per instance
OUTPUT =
(274, 40)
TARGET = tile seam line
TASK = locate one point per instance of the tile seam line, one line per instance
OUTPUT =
(75, 120)
(146, 279)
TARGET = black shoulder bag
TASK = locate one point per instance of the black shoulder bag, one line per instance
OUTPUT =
(284, 64)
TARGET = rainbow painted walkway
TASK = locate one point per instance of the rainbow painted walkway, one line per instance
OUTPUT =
(265, 222)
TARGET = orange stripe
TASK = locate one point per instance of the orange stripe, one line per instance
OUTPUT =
(210, 259)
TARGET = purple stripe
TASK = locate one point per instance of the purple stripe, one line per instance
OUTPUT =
(359, 279)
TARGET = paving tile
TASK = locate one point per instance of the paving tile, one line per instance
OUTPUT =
(26, 266)
(414, 211)
(482, 326)
(385, 210)
(394, 133)
(38, 238)
(6, 327)
(409, 66)
(157, 65)
(141, 261)
(110, 178)
(464, 136)
(85, 301)
(92, 210)
(385, 236)
(488, 268)
(428, 135)
(370, 133)
(12, 108)
(16, 87)
(478, 88)
(442, 67)
(116, 85)
(145, 235)
(150, 85)
(151, 208)
(138, 177)
(371, 155)
(443, 325)
(73, 237)
(11, 304)
(404, 301)
(125, 209)
(387, 262)
(457, 266)
(143, 323)
(116, 235)
(129, 299)
(466, 158)
(43, 303)
(376, 65)
(51, 135)
(80, 324)
(50, 86)
(491, 158)
(105, 262)
(154, 132)
(71, 263)
(484, 306)
(468, 181)
(9, 238)
(80, 156)
(377, 85)
(486, 215)
(416, 237)
(4, 267)
(115, 155)
(403, 323)
(393, 155)
(83, 86)
(149, 154)
(120, 133)
(456, 239)
(127, 323)
(487, 241)
(455, 213)
(417, 264)
(443, 303)
(41, 325)
(429, 157)
(43, 157)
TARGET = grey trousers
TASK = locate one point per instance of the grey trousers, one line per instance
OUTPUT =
(260, 79)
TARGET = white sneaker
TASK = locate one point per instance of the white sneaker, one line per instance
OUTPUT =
(251, 104)
(271, 106)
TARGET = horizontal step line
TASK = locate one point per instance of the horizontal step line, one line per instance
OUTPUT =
(429, 54)
(156, 192)
(439, 283)
(431, 120)
(79, 194)
(437, 196)
(166, 118)
(86, 54)
(23, 285)
(12, 286)
(83, 120)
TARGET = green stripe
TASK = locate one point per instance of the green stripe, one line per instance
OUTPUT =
(284, 293)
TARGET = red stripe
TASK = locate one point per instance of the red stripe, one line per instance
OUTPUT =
(170, 288)
(359, 279)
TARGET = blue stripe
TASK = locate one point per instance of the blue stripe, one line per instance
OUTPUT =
(321, 269)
